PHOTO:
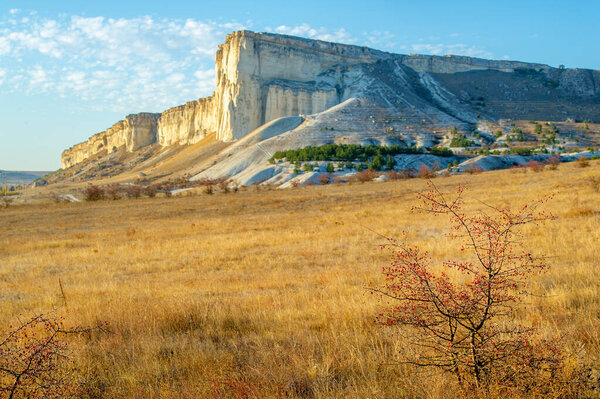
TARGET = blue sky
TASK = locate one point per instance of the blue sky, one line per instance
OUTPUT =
(69, 69)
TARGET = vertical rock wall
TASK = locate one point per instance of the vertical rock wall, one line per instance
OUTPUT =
(133, 133)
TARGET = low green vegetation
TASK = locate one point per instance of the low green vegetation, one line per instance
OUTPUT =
(343, 152)
(373, 157)
(460, 140)
(522, 151)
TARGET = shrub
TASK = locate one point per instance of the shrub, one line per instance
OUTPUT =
(535, 165)
(582, 162)
(474, 169)
(224, 186)
(34, 360)
(330, 168)
(553, 162)
(307, 167)
(464, 326)
(390, 162)
(403, 174)
(425, 172)
(93, 193)
(325, 178)
(113, 191)
(151, 190)
(133, 191)
(365, 176)
(377, 163)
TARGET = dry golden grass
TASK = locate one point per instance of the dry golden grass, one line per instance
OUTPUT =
(264, 289)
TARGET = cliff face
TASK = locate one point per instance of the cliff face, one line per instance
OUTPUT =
(133, 133)
(262, 76)
(187, 124)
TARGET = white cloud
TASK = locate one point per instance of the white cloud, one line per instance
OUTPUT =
(381, 40)
(442, 49)
(125, 64)
(4, 45)
(305, 30)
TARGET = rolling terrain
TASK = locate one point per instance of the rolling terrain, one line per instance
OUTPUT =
(264, 289)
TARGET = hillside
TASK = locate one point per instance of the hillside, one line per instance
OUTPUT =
(343, 94)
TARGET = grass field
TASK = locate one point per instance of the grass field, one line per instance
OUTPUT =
(264, 290)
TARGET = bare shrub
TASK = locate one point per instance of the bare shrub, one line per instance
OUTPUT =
(93, 193)
(474, 169)
(553, 162)
(133, 191)
(535, 165)
(465, 326)
(364, 176)
(425, 172)
(582, 162)
(151, 190)
(224, 187)
(113, 191)
(325, 178)
(403, 174)
(34, 360)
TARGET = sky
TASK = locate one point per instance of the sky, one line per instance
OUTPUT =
(69, 69)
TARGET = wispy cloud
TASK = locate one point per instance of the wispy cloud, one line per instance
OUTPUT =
(453, 48)
(321, 33)
(119, 64)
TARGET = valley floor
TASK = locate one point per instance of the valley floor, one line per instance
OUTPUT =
(265, 289)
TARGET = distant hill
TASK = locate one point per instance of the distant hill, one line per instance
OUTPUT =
(15, 177)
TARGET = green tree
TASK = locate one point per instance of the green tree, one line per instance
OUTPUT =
(377, 163)
(390, 163)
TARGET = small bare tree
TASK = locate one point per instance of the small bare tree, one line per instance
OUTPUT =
(34, 362)
(460, 315)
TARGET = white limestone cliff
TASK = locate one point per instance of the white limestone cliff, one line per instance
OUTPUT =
(261, 77)
(132, 133)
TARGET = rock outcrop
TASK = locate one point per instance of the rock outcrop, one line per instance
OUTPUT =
(261, 77)
(133, 133)
(187, 124)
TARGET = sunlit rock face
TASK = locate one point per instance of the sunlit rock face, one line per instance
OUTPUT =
(133, 133)
(187, 124)
(261, 77)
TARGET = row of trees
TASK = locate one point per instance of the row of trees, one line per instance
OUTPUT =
(351, 152)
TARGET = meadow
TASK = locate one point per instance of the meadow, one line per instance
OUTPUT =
(263, 292)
